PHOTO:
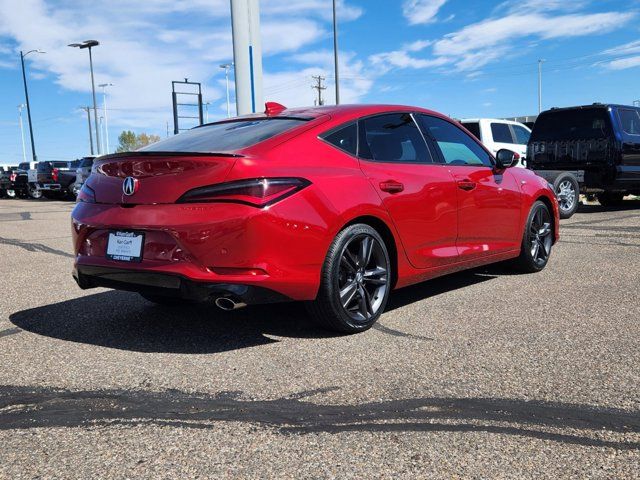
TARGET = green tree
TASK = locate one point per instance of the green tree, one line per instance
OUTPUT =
(129, 141)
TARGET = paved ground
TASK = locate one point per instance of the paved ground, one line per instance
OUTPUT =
(476, 375)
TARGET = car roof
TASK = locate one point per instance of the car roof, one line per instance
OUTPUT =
(339, 111)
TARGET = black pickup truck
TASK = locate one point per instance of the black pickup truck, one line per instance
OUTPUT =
(13, 182)
(589, 149)
(57, 179)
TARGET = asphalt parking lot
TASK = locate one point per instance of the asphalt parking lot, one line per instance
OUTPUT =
(482, 374)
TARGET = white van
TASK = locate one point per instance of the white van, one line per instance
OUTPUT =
(496, 134)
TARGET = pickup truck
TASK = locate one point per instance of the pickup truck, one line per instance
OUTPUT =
(57, 179)
(591, 149)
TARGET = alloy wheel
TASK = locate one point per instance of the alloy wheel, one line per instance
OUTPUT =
(566, 195)
(540, 236)
(363, 277)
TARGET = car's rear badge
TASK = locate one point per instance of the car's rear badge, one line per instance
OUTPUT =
(130, 186)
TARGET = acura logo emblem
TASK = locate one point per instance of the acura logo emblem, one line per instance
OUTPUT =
(130, 186)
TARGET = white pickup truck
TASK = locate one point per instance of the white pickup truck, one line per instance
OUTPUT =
(496, 134)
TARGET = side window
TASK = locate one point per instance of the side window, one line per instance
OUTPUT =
(457, 147)
(473, 127)
(344, 137)
(630, 121)
(392, 138)
(501, 133)
(522, 134)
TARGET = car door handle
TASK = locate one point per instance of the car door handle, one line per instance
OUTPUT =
(466, 185)
(391, 186)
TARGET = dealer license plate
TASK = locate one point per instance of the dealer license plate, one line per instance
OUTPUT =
(125, 246)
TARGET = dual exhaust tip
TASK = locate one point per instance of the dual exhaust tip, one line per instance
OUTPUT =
(227, 304)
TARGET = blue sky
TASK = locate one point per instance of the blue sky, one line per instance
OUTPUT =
(458, 57)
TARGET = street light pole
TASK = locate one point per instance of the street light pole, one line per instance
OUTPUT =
(90, 44)
(335, 53)
(106, 121)
(26, 96)
(226, 67)
(88, 110)
(540, 62)
(24, 150)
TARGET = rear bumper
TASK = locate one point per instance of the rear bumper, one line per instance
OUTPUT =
(49, 186)
(155, 283)
(279, 249)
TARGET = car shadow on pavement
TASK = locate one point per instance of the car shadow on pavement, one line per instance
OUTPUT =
(34, 407)
(124, 321)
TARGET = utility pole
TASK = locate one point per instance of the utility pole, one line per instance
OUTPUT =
(88, 110)
(24, 151)
(335, 53)
(540, 62)
(319, 79)
(26, 96)
(106, 121)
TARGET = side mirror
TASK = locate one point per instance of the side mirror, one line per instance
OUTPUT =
(506, 158)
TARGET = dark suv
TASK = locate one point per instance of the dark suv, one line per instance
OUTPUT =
(57, 179)
(588, 149)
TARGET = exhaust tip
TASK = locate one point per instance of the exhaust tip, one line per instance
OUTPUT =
(228, 304)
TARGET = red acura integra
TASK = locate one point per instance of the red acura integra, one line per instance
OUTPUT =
(335, 206)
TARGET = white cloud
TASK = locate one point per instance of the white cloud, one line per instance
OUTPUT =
(421, 11)
(494, 39)
(143, 49)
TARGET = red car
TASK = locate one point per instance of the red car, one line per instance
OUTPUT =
(336, 206)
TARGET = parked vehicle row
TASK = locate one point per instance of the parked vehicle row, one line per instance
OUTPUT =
(52, 179)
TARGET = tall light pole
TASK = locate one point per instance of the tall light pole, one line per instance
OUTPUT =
(540, 62)
(26, 96)
(24, 151)
(88, 110)
(90, 44)
(106, 121)
(335, 53)
(226, 67)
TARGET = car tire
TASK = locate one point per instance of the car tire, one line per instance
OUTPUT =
(610, 199)
(537, 240)
(164, 300)
(34, 193)
(355, 281)
(567, 192)
(74, 189)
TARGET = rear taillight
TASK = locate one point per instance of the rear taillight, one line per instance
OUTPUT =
(54, 174)
(257, 192)
(86, 194)
(13, 177)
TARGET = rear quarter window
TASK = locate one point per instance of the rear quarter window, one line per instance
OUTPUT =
(501, 133)
(629, 121)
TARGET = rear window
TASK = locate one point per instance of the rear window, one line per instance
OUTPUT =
(473, 127)
(86, 162)
(572, 125)
(226, 136)
(74, 164)
(23, 166)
